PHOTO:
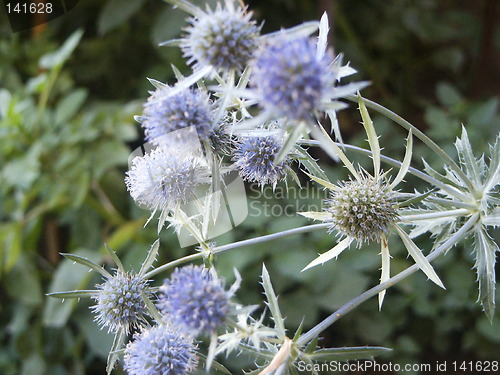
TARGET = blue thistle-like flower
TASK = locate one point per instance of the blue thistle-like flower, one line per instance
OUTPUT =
(362, 209)
(225, 38)
(186, 109)
(119, 301)
(194, 299)
(290, 78)
(164, 179)
(160, 350)
(254, 158)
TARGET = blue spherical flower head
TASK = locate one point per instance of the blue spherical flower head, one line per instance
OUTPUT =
(254, 158)
(119, 301)
(194, 299)
(291, 78)
(160, 350)
(185, 109)
(163, 179)
(225, 38)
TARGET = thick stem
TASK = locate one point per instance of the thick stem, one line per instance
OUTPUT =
(355, 302)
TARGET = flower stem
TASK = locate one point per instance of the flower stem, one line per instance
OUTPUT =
(270, 237)
(235, 245)
(419, 134)
(355, 302)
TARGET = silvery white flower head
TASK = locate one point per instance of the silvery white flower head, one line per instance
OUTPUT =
(161, 350)
(165, 178)
(167, 111)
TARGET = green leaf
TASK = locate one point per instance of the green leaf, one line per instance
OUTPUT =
(99, 340)
(87, 263)
(115, 258)
(272, 302)
(307, 160)
(114, 353)
(467, 158)
(167, 26)
(59, 57)
(150, 306)
(386, 268)
(447, 94)
(330, 254)
(347, 354)
(484, 114)
(325, 141)
(73, 294)
(69, 105)
(372, 136)
(185, 6)
(124, 233)
(115, 13)
(23, 171)
(289, 142)
(493, 173)
(11, 240)
(5, 98)
(150, 258)
(418, 257)
(322, 216)
(325, 183)
(67, 276)
(485, 249)
(23, 282)
(406, 162)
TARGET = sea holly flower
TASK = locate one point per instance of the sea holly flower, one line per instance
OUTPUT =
(222, 41)
(294, 79)
(290, 79)
(122, 301)
(224, 38)
(119, 302)
(362, 208)
(467, 189)
(161, 350)
(165, 178)
(194, 298)
(164, 113)
(366, 208)
(255, 159)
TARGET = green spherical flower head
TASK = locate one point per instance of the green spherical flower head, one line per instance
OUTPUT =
(119, 302)
(225, 39)
(362, 209)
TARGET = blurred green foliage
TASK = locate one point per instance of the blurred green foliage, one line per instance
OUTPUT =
(67, 128)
